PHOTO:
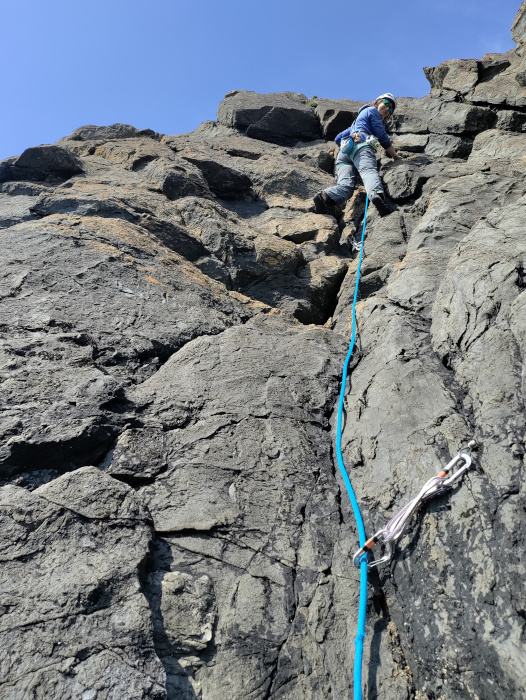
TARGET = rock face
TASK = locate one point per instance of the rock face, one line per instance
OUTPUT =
(174, 322)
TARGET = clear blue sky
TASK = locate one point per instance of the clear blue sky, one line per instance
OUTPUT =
(166, 64)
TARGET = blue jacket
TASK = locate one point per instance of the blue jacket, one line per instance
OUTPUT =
(369, 121)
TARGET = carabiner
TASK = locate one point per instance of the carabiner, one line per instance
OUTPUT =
(368, 547)
(461, 457)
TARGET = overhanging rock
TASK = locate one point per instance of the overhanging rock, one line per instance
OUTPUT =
(282, 118)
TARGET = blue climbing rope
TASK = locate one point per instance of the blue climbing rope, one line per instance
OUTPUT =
(360, 634)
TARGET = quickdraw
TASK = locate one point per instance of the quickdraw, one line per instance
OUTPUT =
(395, 528)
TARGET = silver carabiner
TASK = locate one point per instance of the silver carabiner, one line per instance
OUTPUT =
(461, 457)
(368, 547)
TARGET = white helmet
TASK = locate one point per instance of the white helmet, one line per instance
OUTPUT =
(388, 96)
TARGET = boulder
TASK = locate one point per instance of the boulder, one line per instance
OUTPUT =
(138, 455)
(461, 119)
(458, 75)
(41, 163)
(176, 179)
(106, 133)
(493, 64)
(282, 118)
(319, 155)
(296, 228)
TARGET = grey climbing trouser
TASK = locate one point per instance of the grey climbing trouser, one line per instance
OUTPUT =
(364, 163)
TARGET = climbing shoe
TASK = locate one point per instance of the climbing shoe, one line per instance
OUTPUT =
(332, 208)
(320, 205)
(379, 200)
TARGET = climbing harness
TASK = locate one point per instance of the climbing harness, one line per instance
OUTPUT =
(370, 140)
(360, 633)
(350, 148)
(395, 528)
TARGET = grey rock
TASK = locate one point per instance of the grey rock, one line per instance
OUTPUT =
(436, 75)
(319, 155)
(275, 117)
(215, 269)
(235, 148)
(413, 143)
(156, 165)
(404, 178)
(409, 118)
(41, 163)
(251, 570)
(187, 611)
(139, 455)
(438, 116)
(309, 295)
(447, 146)
(455, 208)
(71, 202)
(5, 170)
(84, 630)
(520, 77)
(106, 133)
(29, 189)
(510, 120)
(494, 146)
(495, 79)
(460, 75)
(14, 210)
(501, 88)
(518, 28)
(190, 347)
(77, 337)
(223, 181)
(336, 115)
(384, 248)
(487, 353)
(463, 76)
(298, 229)
(281, 177)
(175, 180)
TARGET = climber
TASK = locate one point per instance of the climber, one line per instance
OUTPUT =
(357, 155)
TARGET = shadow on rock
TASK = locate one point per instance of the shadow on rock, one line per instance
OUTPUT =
(183, 614)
